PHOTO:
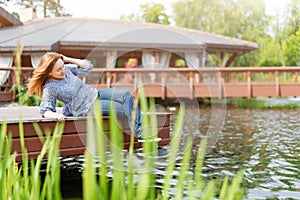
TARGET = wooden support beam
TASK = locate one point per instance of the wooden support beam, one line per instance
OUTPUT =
(231, 59)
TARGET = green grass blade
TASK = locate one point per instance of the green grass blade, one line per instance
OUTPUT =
(116, 136)
(24, 156)
(39, 132)
(89, 172)
(131, 157)
(209, 192)
(3, 129)
(174, 146)
(101, 140)
(88, 177)
(224, 188)
(185, 164)
(199, 164)
(234, 190)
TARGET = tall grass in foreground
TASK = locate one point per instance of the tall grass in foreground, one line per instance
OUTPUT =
(25, 181)
(136, 180)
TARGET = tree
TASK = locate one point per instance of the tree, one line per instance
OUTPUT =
(292, 17)
(198, 14)
(3, 1)
(53, 8)
(152, 13)
(253, 25)
(49, 8)
(292, 50)
(244, 19)
(291, 34)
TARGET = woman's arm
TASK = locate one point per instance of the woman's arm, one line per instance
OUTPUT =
(82, 63)
(78, 67)
(47, 107)
(54, 115)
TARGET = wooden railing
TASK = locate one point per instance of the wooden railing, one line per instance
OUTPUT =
(203, 83)
(195, 83)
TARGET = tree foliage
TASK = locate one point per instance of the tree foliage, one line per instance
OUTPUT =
(154, 13)
(49, 8)
(233, 18)
(244, 19)
(292, 20)
(284, 28)
(292, 49)
(247, 19)
(150, 12)
(3, 2)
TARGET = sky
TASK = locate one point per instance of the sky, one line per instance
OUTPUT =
(113, 9)
(108, 9)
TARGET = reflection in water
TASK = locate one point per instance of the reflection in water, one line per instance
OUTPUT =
(263, 142)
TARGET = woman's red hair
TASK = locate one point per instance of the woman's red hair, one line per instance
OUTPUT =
(41, 74)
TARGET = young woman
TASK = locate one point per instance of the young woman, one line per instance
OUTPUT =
(55, 80)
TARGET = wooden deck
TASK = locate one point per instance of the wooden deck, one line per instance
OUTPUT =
(73, 141)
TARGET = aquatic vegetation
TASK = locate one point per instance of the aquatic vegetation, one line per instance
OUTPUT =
(254, 103)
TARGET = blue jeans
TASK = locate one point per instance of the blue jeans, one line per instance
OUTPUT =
(123, 103)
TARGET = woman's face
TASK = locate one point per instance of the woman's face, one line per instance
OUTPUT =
(58, 71)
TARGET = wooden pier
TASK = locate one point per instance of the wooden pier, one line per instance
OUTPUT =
(73, 141)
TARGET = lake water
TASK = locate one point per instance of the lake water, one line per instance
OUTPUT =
(265, 143)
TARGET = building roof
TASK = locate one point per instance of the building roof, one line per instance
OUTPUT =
(50, 34)
(7, 19)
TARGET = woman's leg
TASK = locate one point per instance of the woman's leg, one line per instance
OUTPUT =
(124, 98)
(106, 104)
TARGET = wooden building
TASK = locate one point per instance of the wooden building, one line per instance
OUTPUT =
(112, 44)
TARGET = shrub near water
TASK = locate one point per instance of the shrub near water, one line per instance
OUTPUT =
(256, 103)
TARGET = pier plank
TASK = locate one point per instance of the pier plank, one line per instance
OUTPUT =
(74, 133)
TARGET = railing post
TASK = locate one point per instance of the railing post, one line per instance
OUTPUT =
(13, 82)
(135, 81)
(191, 84)
(277, 92)
(245, 77)
(249, 85)
(163, 85)
(270, 77)
(108, 79)
(220, 90)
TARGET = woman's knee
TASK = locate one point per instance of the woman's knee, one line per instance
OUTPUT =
(123, 92)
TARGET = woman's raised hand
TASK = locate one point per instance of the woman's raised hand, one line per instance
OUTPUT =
(54, 115)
